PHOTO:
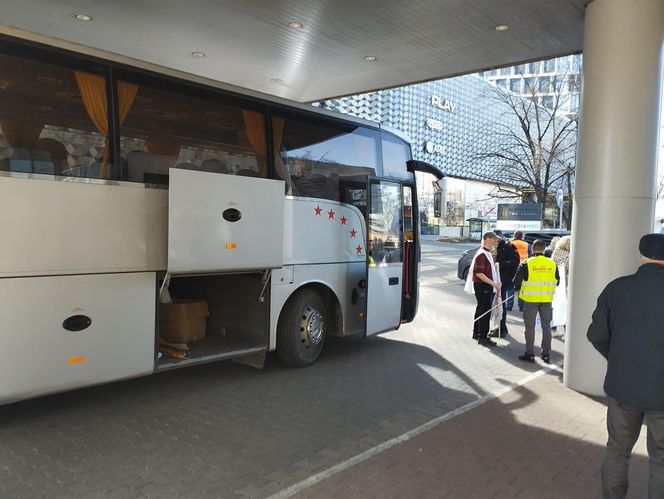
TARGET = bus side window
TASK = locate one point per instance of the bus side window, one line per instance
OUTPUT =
(314, 157)
(48, 123)
(189, 131)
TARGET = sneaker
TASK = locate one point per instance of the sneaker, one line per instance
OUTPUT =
(546, 359)
(528, 357)
(486, 342)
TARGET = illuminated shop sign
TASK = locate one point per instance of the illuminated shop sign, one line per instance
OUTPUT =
(444, 104)
(434, 124)
(433, 148)
(525, 216)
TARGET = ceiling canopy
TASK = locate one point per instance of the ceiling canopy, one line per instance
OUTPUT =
(331, 48)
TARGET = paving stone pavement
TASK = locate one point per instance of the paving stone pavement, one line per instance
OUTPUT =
(539, 440)
(229, 431)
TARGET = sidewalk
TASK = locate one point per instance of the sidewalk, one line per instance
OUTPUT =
(538, 440)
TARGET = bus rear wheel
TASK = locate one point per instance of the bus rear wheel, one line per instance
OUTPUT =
(301, 329)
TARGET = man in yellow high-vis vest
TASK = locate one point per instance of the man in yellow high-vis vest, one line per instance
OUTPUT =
(536, 280)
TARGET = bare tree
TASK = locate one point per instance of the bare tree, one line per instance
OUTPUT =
(660, 187)
(534, 146)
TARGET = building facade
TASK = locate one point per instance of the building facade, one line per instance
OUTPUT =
(455, 124)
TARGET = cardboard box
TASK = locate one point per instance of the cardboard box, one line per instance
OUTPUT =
(183, 321)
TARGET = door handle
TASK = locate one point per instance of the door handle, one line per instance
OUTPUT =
(393, 281)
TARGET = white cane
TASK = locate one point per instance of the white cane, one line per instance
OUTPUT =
(491, 310)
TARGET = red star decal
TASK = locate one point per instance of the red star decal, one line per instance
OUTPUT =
(330, 214)
(353, 232)
(343, 220)
(317, 209)
(359, 249)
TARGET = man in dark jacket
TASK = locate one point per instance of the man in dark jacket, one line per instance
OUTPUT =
(508, 260)
(628, 330)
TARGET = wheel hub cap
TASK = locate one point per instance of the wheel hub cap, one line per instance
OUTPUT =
(312, 327)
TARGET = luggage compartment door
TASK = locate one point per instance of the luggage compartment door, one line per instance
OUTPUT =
(64, 332)
(224, 223)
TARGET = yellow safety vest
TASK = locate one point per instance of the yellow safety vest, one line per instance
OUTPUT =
(541, 283)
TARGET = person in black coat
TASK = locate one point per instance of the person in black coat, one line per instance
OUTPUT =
(508, 260)
(628, 330)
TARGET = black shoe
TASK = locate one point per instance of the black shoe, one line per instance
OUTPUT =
(476, 336)
(528, 357)
(496, 333)
(546, 359)
(486, 342)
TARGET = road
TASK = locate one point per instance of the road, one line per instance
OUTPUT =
(226, 430)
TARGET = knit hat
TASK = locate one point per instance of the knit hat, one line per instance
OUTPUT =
(652, 246)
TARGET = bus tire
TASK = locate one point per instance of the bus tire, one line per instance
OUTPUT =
(301, 328)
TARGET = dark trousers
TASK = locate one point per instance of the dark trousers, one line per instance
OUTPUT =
(624, 425)
(504, 294)
(530, 310)
(510, 295)
(484, 297)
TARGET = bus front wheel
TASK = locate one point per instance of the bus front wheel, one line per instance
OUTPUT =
(301, 328)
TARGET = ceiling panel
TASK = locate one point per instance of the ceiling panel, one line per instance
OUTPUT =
(248, 43)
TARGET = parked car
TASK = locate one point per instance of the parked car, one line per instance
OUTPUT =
(463, 265)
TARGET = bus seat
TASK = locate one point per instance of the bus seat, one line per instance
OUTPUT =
(145, 167)
(57, 155)
(42, 162)
(213, 165)
(186, 165)
(248, 172)
(21, 160)
(138, 162)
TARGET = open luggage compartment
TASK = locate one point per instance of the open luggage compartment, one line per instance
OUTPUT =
(237, 324)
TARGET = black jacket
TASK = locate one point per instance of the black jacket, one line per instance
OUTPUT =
(628, 329)
(508, 258)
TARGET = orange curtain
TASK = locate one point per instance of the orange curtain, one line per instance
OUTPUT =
(126, 95)
(255, 126)
(93, 92)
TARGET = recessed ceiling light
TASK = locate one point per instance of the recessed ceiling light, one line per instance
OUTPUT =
(276, 80)
(83, 17)
(295, 25)
(198, 54)
(502, 27)
(370, 58)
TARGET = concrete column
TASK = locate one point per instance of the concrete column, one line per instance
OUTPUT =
(614, 202)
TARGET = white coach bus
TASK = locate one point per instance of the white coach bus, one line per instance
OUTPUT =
(137, 202)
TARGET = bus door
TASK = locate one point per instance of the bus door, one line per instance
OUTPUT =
(385, 255)
(411, 255)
